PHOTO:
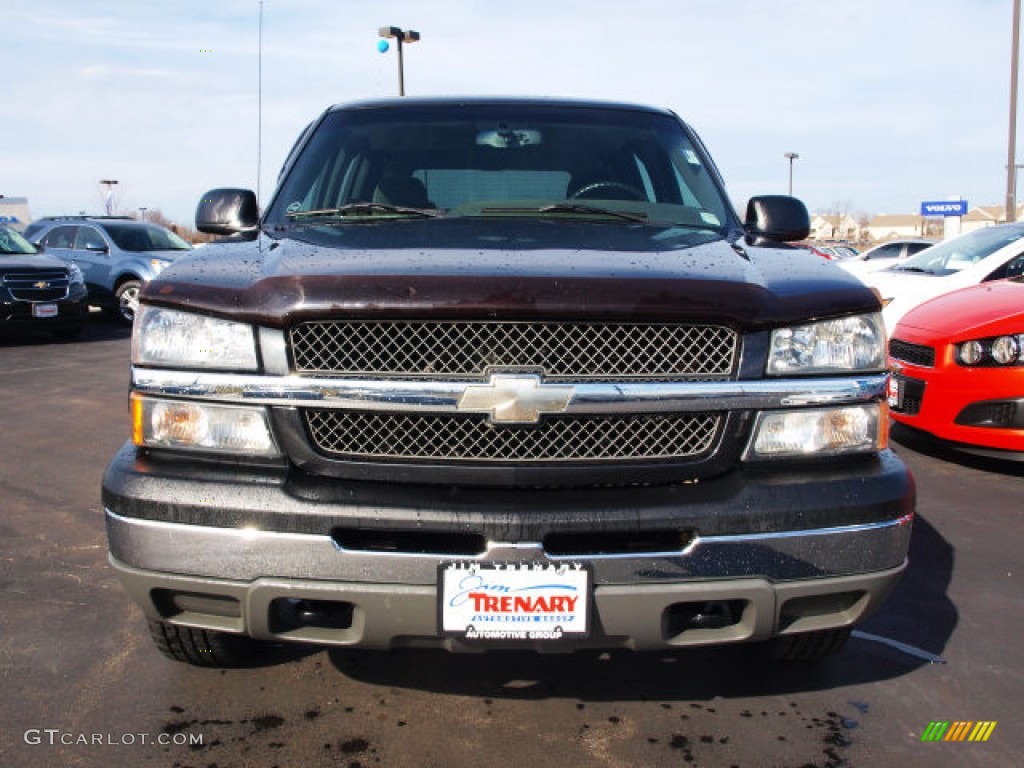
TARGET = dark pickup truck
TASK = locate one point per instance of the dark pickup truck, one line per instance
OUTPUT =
(505, 373)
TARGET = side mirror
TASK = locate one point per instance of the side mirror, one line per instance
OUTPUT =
(777, 217)
(228, 212)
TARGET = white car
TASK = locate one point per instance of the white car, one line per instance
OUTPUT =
(884, 255)
(976, 257)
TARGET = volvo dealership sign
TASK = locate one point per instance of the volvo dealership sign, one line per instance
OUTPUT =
(944, 208)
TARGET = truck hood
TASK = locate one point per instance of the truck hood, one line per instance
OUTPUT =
(502, 269)
(9, 261)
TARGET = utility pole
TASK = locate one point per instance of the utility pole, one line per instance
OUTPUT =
(791, 156)
(1011, 161)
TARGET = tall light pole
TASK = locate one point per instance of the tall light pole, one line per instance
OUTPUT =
(791, 156)
(401, 36)
(143, 212)
(1013, 200)
(109, 200)
(1011, 169)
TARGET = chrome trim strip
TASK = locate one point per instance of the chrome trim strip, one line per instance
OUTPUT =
(443, 396)
(273, 351)
(247, 554)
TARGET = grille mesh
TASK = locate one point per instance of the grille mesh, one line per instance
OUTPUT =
(915, 354)
(24, 286)
(444, 438)
(560, 350)
(911, 396)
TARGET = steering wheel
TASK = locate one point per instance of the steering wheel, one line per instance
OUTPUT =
(585, 191)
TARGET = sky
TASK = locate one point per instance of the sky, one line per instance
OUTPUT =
(888, 103)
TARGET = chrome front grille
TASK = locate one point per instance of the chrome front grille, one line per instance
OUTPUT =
(37, 285)
(439, 438)
(562, 351)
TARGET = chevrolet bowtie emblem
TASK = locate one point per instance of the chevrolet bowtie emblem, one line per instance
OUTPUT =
(41, 284)
(515, 399)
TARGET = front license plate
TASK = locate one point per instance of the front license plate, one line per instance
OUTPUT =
(514, 601)
(895, 393)
(44, 310)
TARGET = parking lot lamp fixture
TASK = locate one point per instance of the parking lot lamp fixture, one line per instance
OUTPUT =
(401, 36)
(791, 156)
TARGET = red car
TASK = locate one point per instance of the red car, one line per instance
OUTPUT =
(958, 364)
(816, 251)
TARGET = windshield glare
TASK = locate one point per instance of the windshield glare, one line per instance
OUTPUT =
(12, 242)
(488, 160)
(145, 237)
(960, 252)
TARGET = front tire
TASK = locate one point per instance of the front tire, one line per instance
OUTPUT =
(808, 646)
(127, 297)
(202, 647)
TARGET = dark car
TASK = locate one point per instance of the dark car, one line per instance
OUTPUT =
(38, 292)
(116, 255)
(505, 373)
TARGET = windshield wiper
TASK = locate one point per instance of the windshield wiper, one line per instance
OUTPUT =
(592, 209)
(357, 210)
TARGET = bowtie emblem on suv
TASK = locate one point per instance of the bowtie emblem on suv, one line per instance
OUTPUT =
(515, 399)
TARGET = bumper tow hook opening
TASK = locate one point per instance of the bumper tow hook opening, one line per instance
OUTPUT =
(711, 614)
(289, 614)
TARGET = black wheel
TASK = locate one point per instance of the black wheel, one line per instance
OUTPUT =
(587, 191)
(202, 647)
(127, 297)
(808, 646)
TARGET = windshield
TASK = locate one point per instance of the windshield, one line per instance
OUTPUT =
(144, 237)
(501, 160)
(960, 252)
(12, 242)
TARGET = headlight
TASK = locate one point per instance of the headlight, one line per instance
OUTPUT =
(819, 432)
(847, 344)
(75, 275)
(998, 350)
(167, 337)
(187, 425)
(971, 353)
(1005, 350)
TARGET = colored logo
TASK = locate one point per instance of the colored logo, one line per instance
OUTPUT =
(958, 730)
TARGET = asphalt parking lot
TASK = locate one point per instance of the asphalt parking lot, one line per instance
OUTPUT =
(83, 685)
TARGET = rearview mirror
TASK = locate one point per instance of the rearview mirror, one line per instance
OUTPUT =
(228, 212)
(508, 138)
(777, 217)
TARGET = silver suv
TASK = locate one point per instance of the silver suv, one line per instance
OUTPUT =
(116, 255)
